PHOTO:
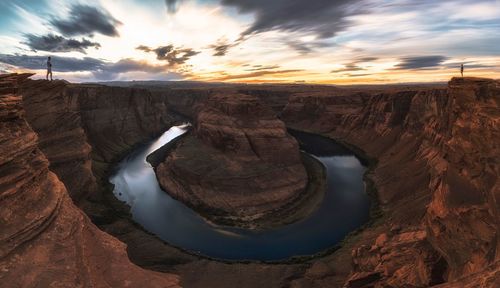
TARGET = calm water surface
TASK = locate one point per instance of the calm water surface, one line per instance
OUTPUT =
(344, 208)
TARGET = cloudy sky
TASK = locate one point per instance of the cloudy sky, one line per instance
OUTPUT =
(314, 41)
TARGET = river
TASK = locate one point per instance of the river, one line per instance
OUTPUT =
(345, 207)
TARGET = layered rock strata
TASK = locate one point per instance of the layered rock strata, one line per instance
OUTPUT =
(239, 165)
(83, 128)
(55, 117)
(45, 241)
(437, 180)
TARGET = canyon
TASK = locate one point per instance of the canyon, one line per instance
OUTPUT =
(46, 241)
(434, 172)
(230, 167)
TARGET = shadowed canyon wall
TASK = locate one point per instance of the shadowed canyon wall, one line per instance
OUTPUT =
(436, 179)
(230, 165)
(46, 241)
(83, 128)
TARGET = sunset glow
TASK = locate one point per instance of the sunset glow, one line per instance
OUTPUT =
(337, 42)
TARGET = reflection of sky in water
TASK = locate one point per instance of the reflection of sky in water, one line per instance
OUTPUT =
(345, 207)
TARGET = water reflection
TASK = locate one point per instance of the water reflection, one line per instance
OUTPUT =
(345, 207)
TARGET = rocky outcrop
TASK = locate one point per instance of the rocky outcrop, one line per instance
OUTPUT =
(115, 119)
(397, 259)
(437, 181)
(84, 128)
(54, 115)
(462, 218)
(486, 278)
(45, 241)
(321, 112)
(230, 166)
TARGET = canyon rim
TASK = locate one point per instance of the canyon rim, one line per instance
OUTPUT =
(234, 143)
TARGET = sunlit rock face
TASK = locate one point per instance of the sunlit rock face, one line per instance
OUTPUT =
(44, 239)
(463, 217)
(239, 162)
(437, 180)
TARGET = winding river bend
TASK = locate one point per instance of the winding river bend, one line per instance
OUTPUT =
(345, 207)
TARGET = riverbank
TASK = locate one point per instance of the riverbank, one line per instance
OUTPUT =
(179, 255)
(406, 132)
(295, 210)
(366, 160)
(175, 223)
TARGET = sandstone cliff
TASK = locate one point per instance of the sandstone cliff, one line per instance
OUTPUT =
(54, 116)
(231, 165)
(45, 241)
(437, 181)
(113, 120)
(83, 128)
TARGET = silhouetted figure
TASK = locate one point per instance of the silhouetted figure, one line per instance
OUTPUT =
(49, 69)
(462, 70)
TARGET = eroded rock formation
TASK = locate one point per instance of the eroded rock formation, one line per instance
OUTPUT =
(46, 241)
(437, 181)
(239, 165)
(54, 115)
(83, 128)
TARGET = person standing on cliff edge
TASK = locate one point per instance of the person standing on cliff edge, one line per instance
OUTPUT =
(462, 70)
(49, 69)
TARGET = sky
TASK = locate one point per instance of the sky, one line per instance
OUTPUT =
(252, 41)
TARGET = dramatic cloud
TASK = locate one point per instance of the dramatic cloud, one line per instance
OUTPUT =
(307, 47)
(87, 20)
(256, 74)
(222, 47)
(348, 68)
(174, 56)
(323, 18)
(358, 75)
(56, 43)
(261, 68)
(221, 50)
(110, 71)
(172, 5)
(468, 65)
(330, 41)
(60, 64)
(367, 59)
(420, 62)
(100, 68)
(301, 47)
(127, 65)
(354, 66)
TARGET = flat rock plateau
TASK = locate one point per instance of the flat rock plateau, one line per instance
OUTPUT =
(436, 180)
